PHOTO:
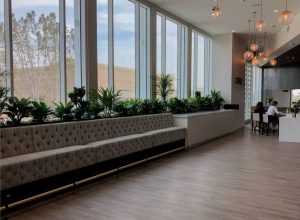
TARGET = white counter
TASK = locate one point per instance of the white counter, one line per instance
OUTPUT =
(205, 126)
(289, 129)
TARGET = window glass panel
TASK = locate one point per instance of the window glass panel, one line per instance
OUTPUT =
(124, 47)
(70, 52)
(295, 96)
(200, 68)
(143, 52)
(158, 44)
(2, 45)
(171, 51)
(102, 42)
(35, 31)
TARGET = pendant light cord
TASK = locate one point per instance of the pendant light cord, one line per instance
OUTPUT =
(249, 33)
(254, 27)
(286, 5)
(261, 11)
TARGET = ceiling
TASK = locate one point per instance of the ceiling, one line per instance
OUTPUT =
(236, 13)
(290, 58)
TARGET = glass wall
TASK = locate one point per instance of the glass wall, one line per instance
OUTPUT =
(124, 47)
(2, 45)
(172, 53)
(198, 63)
(102, 42)
(70, 43)
(35, 37)
(171, 44)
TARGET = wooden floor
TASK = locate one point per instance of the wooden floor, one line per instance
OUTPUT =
(241, 176)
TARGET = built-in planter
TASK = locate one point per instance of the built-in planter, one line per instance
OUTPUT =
(205, 126)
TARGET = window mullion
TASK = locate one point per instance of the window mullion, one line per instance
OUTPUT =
(8, 46)
(195, 74)
(111, 44)
(163, 45)
(179, 55)
(137, 50)
(62, 51)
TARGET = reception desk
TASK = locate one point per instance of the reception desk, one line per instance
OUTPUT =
(289, 129)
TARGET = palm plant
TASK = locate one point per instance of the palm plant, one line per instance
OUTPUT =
(94, 109)
(217, 99)
(164, 86)
(40, 112)
(17, 109)
(3, 94)
(64, 112)
(108, 98)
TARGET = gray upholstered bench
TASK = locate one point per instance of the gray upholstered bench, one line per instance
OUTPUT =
(61, 153)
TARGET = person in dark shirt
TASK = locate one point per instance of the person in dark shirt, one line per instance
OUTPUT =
(259, 108)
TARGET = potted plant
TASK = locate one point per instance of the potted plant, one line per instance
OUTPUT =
(80, 104)
(268, 100)
(64, 112)
(296, 109)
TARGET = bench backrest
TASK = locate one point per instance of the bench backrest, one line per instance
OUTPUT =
(28, 139)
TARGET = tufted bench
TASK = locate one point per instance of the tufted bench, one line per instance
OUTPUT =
(33, 154)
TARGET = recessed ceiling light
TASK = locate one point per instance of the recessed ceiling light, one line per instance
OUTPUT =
(233, 31)
(275, 11)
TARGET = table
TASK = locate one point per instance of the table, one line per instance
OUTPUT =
(289, 129)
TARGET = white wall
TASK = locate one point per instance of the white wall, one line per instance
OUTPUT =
(222, 65)
(288, 33)
(227, 64)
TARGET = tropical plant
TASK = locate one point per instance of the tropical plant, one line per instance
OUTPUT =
(40, 112)
(17, 109)
(198, 94)
(268, 100)
(217, 99)
(3, 93)
(176, 106)
(164, 86)
(121, 109)
(133, 106)
(64, 112)
(108, 98)
(94, 109)
(154, 106)
(80, 104)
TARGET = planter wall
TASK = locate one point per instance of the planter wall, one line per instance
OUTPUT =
(205, 126)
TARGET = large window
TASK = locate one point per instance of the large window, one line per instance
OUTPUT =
(102, 42)
(2, 45)
(123, 47)
(200, 63)
(172, 52)
(35, 31)
(295, 96)
(70, 45)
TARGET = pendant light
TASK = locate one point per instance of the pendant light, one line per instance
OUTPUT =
(260, 24)
(254, 46)
(273, 62)
(248, 55)
(286, 16)
(216, 11)
(255, 61)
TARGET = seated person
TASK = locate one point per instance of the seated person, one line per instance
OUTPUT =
(259, 108)
(274, 115)
(272, 110)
